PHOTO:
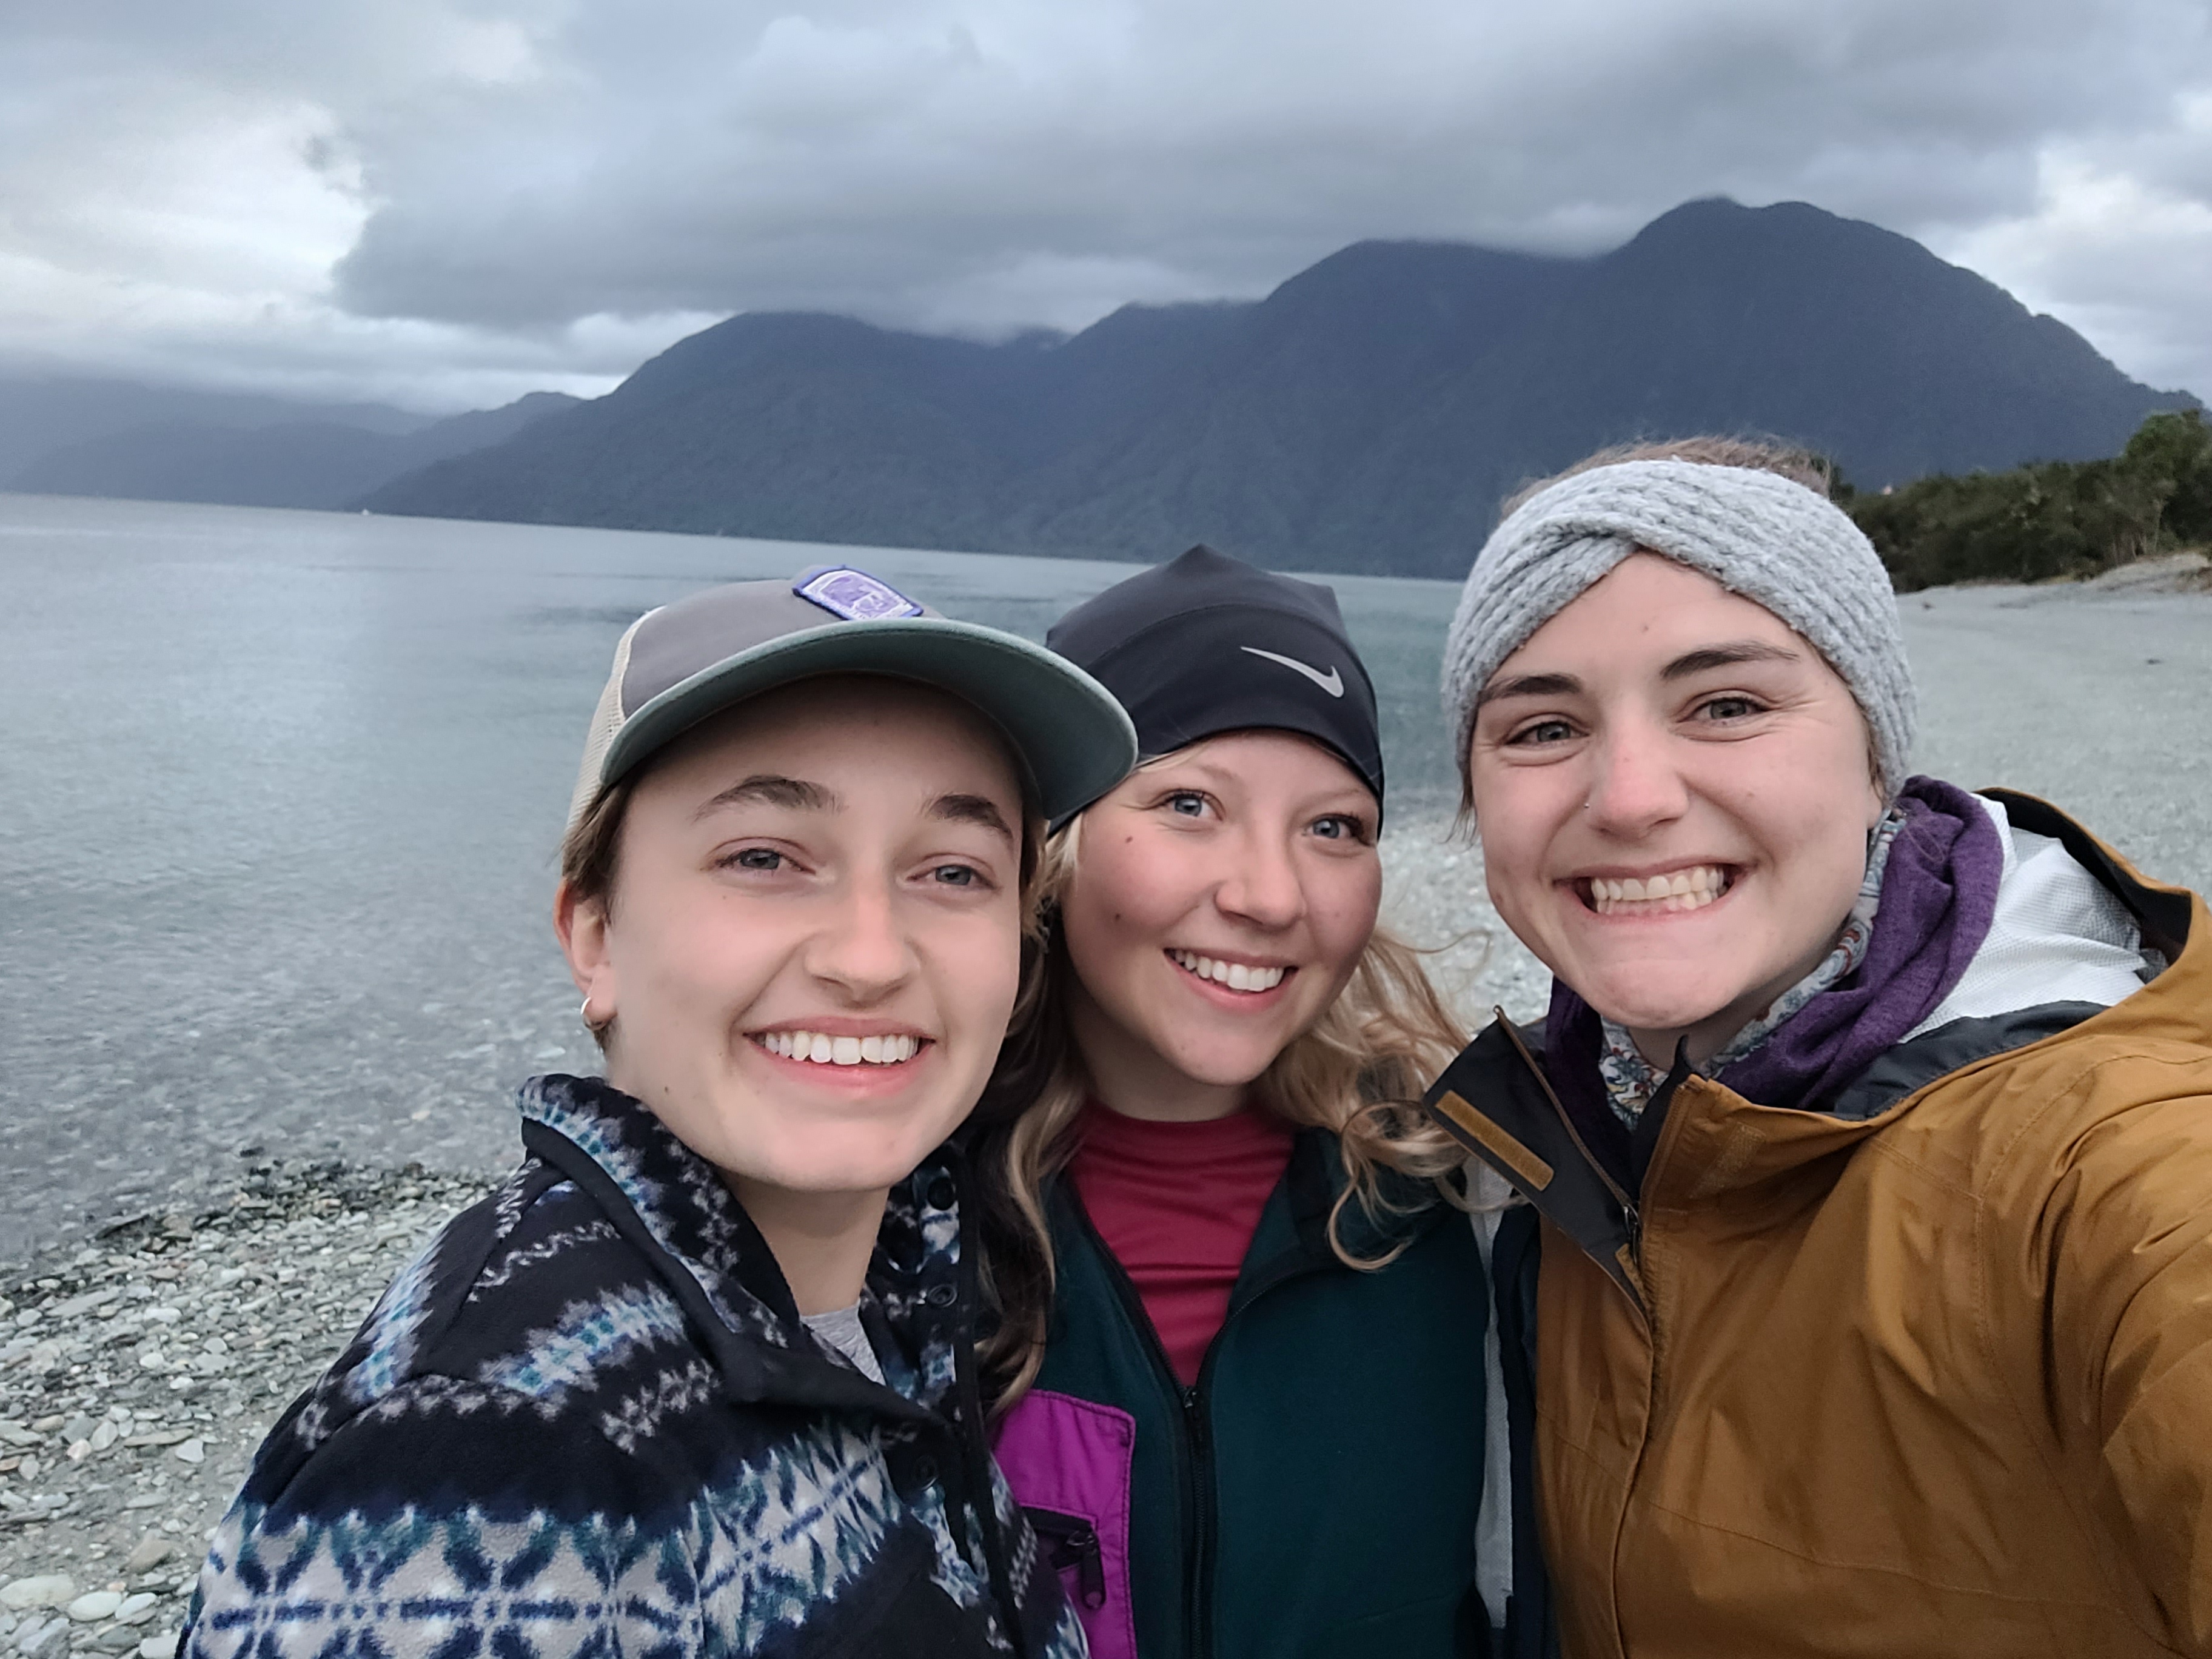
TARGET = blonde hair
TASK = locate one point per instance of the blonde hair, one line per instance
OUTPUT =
(1358, 1071)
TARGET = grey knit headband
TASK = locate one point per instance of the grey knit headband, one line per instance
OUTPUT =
(1756, 533)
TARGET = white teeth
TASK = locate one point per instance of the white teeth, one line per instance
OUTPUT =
(1237, 976)
(1681, 890)
(824, 1050)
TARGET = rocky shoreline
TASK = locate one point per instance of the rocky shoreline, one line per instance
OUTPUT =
(139, 1371)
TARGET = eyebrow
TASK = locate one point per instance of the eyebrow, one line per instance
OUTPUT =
(971, 809)
(1530, 685)
(1699, 661)
(1725, 656)
(770, 790)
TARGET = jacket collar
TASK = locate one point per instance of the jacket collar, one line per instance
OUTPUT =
(674, 1206)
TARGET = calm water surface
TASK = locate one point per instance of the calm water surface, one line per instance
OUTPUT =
(280, 794)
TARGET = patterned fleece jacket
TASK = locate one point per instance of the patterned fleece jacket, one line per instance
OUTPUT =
(587, 1420)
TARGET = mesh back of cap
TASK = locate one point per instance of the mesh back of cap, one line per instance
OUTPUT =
(606, 721)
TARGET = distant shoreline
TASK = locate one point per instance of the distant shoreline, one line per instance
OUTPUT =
(2188, 572)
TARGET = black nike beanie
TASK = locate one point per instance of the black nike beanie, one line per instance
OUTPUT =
(1206, 644)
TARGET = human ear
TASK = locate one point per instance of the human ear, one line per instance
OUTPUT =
(582, 926)
(1876, 794)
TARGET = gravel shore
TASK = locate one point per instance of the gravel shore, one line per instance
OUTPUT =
(138, 1373)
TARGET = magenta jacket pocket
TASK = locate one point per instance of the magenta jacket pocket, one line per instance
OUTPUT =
(1068, 1463)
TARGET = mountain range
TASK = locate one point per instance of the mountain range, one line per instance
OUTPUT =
(82, 437)
(1368, 414)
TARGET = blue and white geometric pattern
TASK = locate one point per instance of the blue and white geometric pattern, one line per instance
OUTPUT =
(532, 1451)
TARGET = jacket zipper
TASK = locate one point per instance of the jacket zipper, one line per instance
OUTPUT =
(1636, 1249)
(1188, 1477)
(1193, 1451)
(1072, 1542)
(1199, 1594)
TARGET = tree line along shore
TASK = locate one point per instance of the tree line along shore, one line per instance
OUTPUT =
(2050, 521)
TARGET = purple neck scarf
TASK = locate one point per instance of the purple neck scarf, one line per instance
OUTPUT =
(1938, 897)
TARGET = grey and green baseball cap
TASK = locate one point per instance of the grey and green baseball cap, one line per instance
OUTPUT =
(678, 664)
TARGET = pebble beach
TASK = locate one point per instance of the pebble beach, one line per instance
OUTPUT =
(139, 1371)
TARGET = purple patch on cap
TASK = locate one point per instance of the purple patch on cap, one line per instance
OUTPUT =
(853, 594)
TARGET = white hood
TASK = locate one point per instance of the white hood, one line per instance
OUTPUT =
(2058, 936)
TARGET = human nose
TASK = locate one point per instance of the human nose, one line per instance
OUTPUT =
(1635, 786)
(861, 948)
(1263, 887)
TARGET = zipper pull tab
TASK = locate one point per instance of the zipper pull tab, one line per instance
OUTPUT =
(1090, 1568)
(1193, 1416)
(1070, 1540)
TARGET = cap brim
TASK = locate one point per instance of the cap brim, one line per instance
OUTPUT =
(1072, 738)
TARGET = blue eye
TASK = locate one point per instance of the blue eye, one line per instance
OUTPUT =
(1732, 707)
(756, 858)
(1340, 826)
(1189, 803)
(1548, 731)
(957, 875)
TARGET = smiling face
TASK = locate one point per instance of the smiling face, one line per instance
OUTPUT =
(1674, 794)
(1221, 899)
(813, 940)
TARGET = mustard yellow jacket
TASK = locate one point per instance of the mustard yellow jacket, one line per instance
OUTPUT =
(1928, 1374)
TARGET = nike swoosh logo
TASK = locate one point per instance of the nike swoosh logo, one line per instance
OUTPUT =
(1331, 681)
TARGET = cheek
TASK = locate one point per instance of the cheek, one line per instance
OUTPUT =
(982, 970)
(1124, 898)
(717, 942)
(1343, 903)
(1513, 845)
(1825, 804)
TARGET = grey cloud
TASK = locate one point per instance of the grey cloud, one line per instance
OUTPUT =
(884, 159)
(476, 176)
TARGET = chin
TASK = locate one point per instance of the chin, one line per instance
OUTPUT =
(1643, 1005)
(851, 1170)
(1207, 1063)
(852, 1156)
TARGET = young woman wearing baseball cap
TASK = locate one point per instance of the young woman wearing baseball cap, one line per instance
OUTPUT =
(697, 1379)
(1238, 1368)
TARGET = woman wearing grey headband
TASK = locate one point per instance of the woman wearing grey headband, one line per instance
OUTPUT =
(1866, 1150)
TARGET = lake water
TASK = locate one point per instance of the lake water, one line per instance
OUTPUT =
(280, 794)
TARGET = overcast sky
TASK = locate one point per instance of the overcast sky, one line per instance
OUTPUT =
(447, 202)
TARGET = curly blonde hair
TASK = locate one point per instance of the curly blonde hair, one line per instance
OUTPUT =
(1358, 1071)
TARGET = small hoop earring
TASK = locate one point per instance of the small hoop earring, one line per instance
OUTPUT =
(596, 1027)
